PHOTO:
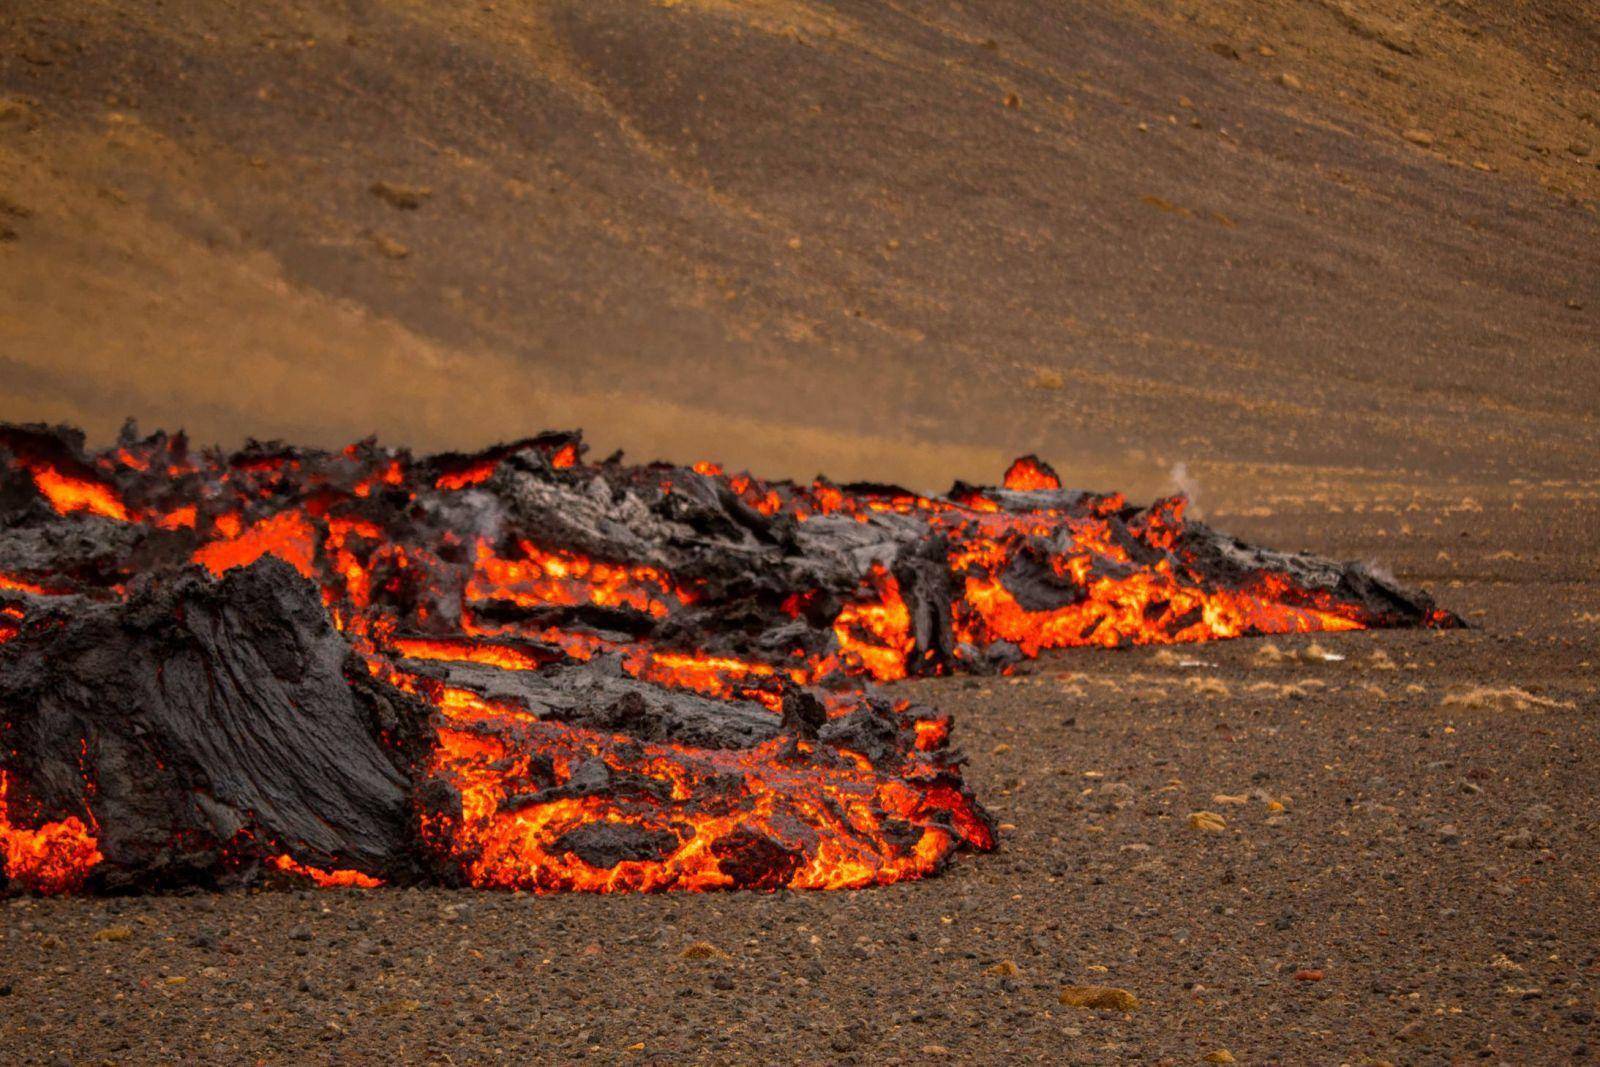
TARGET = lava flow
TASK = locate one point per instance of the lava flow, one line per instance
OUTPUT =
(520, 669)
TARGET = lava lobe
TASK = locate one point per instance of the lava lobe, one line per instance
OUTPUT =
(520, 669)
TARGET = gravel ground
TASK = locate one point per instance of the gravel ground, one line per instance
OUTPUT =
(1427, 892)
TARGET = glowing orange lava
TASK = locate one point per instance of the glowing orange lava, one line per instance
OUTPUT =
(542, 577)
(700, 835)
(286, 535)
(1030, 472)
(874, 635)
(463, 650)
(68, 494)
(327, 879)
(55, 857)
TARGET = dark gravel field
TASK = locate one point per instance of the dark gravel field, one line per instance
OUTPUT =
(1404, 871)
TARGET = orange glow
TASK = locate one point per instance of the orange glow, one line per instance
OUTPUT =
(347, 562)
(779, 808)
(932, 733)
(327, 879)
(763, 498)
(463, 705)
(1029, 472)
(22, 585)
(68, 494)
(179, 519)
(569, 578)
(875, 635)
(715, 676)
(1121, 601)
(467, 651)
(56, 857)
(828, 498)
(286, 535)
(473, 475)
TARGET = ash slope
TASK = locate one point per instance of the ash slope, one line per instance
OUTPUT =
(895, 241)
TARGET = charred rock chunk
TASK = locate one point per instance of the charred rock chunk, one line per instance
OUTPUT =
(606, 844)
(755, 861)
(211, 719)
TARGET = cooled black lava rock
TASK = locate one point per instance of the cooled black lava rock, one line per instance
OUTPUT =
(606, 844)
(215, 724)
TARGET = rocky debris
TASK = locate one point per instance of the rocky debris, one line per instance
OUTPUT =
(1108, 998)
(1415, 1030)
(702, 950)
(403, 197)
(1503, 697)
(1421, 920)
(387, 246)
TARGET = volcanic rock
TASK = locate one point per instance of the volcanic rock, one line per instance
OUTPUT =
(214, 723)
(1098, 996)
(520, 669)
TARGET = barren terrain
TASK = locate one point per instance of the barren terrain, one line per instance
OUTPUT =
(1340, 259)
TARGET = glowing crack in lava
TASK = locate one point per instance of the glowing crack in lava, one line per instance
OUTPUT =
(521, 669)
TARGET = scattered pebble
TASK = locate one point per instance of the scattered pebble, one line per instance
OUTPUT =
(388, 247)
(1414, 1030)
(703, 950)
(404, 197)
(1098, 996)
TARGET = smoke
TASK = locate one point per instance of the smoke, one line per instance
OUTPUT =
(1189, 486)
(1380, 572)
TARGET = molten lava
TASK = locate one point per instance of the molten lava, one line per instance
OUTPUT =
(67, 494)
(874, 634)
(54, 857)
(286, 535)
(326, 879)
(1031, 472)
(626, 678)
